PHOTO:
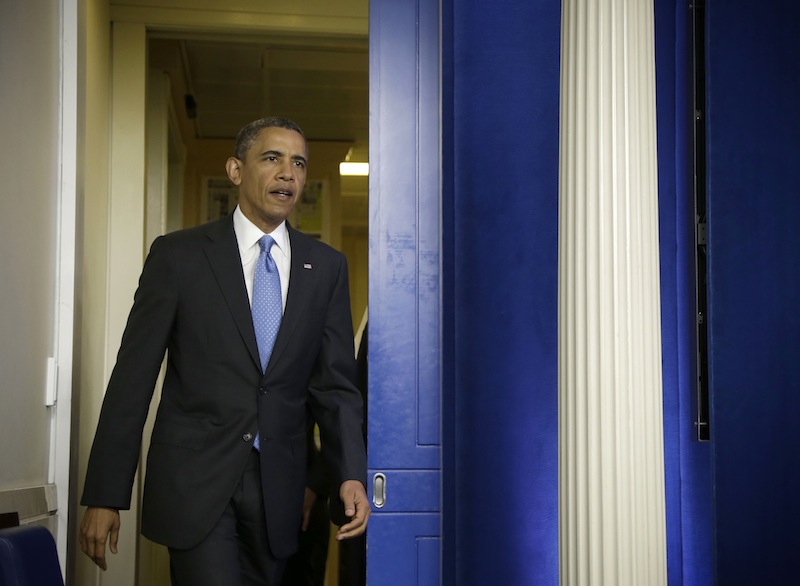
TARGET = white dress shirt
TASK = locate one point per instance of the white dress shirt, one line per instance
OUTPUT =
(247, 237)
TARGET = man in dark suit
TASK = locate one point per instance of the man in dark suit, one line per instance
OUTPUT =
(226, 469)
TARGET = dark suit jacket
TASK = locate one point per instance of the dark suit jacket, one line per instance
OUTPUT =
(192, 302)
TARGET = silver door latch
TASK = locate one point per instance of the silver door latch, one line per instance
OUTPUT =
(379, 490)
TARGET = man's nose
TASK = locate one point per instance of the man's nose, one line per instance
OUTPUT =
(286, 172)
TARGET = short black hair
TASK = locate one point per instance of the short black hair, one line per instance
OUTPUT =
(247, 135)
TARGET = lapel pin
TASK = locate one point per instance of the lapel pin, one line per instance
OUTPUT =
(307, 265)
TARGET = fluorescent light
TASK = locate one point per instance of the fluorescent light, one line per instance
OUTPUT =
(359, 169)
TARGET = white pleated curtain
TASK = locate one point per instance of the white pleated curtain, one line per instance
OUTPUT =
(612, 528)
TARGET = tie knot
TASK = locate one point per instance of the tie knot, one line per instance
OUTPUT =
(266, 242)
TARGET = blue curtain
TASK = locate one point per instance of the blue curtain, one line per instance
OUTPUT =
(754, 287)
(500, 271)
(687, 462)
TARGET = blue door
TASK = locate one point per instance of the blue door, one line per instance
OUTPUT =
(404, 334)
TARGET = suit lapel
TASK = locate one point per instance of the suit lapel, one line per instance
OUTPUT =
(222, 252)
(300, 290)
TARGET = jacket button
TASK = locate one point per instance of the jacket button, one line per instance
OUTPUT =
(262, 391)
(247, 437)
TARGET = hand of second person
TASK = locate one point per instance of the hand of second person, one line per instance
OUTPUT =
(309, 499)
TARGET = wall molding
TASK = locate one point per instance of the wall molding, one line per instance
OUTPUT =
(34, 504)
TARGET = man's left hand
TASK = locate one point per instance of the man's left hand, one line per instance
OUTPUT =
(356, 507)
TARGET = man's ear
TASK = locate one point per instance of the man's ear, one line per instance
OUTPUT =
(234, 168)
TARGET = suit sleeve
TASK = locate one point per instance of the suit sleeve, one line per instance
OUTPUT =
(334, 398)
(115, 451)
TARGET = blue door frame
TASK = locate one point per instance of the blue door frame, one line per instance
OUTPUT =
(404, 331)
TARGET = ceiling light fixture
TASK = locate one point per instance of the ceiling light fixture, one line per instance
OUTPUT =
(349, 169)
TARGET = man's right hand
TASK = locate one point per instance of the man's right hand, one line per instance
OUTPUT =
(99, 525)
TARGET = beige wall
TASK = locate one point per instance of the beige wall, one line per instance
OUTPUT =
(93, 187)
(355, 240)
(30, 94)
(29, 125)
(205, 158)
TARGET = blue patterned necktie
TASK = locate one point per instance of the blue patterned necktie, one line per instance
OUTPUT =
(267, 304)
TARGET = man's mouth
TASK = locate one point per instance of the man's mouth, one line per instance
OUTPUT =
(282, 193)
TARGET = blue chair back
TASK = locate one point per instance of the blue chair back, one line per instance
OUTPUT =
(28, 557)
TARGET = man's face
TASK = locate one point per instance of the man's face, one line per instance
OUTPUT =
(272, 176)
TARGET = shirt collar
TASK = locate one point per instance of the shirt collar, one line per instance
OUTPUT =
(248, 234)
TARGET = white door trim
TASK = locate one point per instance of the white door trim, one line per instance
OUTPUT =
(64, 314)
